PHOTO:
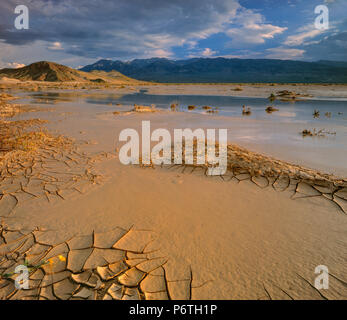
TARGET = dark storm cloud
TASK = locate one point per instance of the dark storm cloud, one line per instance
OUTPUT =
(333, 47)
(116, 28)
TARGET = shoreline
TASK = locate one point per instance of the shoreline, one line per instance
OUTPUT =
(301, 154)
(164, 233)
(245, 90)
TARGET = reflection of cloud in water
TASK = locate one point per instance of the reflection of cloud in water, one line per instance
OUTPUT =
(286, 114)
(93, 98)
(253, 138)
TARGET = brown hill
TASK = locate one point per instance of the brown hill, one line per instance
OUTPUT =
(114, 75)
(50, 71)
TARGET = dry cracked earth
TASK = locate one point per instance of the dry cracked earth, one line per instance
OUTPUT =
(264, 172)
(119, 264)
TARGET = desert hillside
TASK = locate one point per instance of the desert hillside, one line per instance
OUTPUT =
(54, 72)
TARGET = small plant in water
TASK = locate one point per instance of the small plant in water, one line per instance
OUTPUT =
(316, 114)
(271, 109)
(272, 97)
(315, 133)
(246, 111)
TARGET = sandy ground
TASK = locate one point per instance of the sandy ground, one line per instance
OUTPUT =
(251, 90)
(216, 239)
(231, 89)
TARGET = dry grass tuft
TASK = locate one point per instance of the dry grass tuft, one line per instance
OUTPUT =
(24, 138)
(174, 106)
(138, 108)
(315, 133)
(35, 163)
(9, 110)
(215, 110)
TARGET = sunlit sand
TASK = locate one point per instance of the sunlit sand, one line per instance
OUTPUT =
(91, 228)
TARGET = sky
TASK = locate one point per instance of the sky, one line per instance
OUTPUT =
(80, 32)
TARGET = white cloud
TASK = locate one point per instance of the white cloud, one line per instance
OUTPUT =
(298, 39)
(15, 65)
(56, 46)
(231, 56)
(208, 52)
(160, 53)
(284, 53)
(10, 54)
(252, 29)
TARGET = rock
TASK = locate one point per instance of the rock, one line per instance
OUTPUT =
(37, 249)
(134, 240)
(30, 294)
(262, 182)
(77, 259)
(7, 204)
(94, 282)
(243, 176)
(29, 242)
(82, 277)
(342, 203)
(56, 264)
(60, 249)
(131, 277)
(47, 293)
(158, 272)
(7, 288)
(85, 293)
(134, 262)
(307, 189)
(150, 265)
(324, 189)
(37, 275)
(179, 290)
(153, 284)
(342, 193)
(107, 297)
(103, 257)
(10, 247)
(328, 196)
(106, 240)
(81, 242)
(131, 294)
(115, 291)
(156, 296)
(64, 289)
(177, 271)
(118, 267)
(105, 273)
(53, 278)
(11, 236)
(282, 183)
(50, 237)
(133, 255)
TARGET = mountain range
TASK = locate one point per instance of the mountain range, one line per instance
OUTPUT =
(223, 70)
